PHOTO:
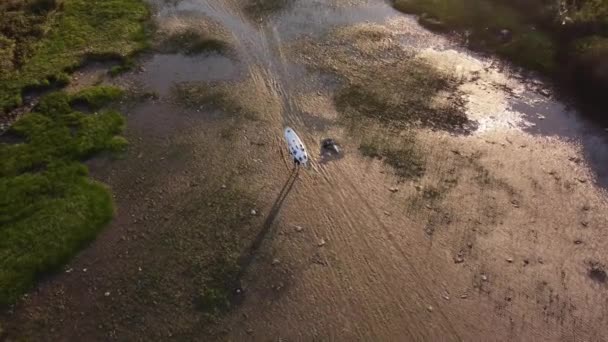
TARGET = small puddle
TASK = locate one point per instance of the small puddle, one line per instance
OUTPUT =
(318, 17)
(165, 70)
(553, 118)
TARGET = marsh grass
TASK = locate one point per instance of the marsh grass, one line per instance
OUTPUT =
(49, 207)
(39, 45)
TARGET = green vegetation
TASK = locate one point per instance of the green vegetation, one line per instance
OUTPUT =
(127, 65)
(42, 40)
(49, 207)
(561, 38)
(492, 26)
(97, 97)
(192, 41)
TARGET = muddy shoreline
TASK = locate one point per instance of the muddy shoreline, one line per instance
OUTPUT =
(498, 233)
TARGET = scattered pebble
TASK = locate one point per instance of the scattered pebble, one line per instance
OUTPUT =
(484, 277)
(470, 245)
(84, 270)
(275, 261)
(393, 189)
(458, 259)
(586, 207)
(321, 243)
(509, 260)
(387, 213)
(139, 269)
(254, 212)
(223, 186)
(299, 229)
(418, 187)
(430, 308)
(107, 294)
(446, 297)
(69, 270)
(577, 242)
(464, 296)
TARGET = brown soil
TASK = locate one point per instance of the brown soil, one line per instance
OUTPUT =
(500, 238)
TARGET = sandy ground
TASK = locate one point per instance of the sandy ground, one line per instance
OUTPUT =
(502, 238)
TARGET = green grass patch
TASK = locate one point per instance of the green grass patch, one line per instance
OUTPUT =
(486, 21)
(192, 42)
(97, 97)
(50, 43)
(49, 207)
(127, 65)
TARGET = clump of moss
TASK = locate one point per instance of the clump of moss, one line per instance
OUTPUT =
(49, 207)
(97, 97)
(192, 42)
(78, 29)
(125, 66)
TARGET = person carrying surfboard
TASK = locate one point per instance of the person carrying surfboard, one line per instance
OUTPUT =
(296, 147)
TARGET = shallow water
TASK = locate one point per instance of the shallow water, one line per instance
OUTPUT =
(260, 42)
(180, 68)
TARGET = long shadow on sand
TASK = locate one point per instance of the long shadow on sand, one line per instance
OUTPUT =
(247, 258)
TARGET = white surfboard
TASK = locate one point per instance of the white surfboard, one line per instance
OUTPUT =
(296, 147)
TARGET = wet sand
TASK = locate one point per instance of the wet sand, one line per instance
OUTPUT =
(502, 238)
